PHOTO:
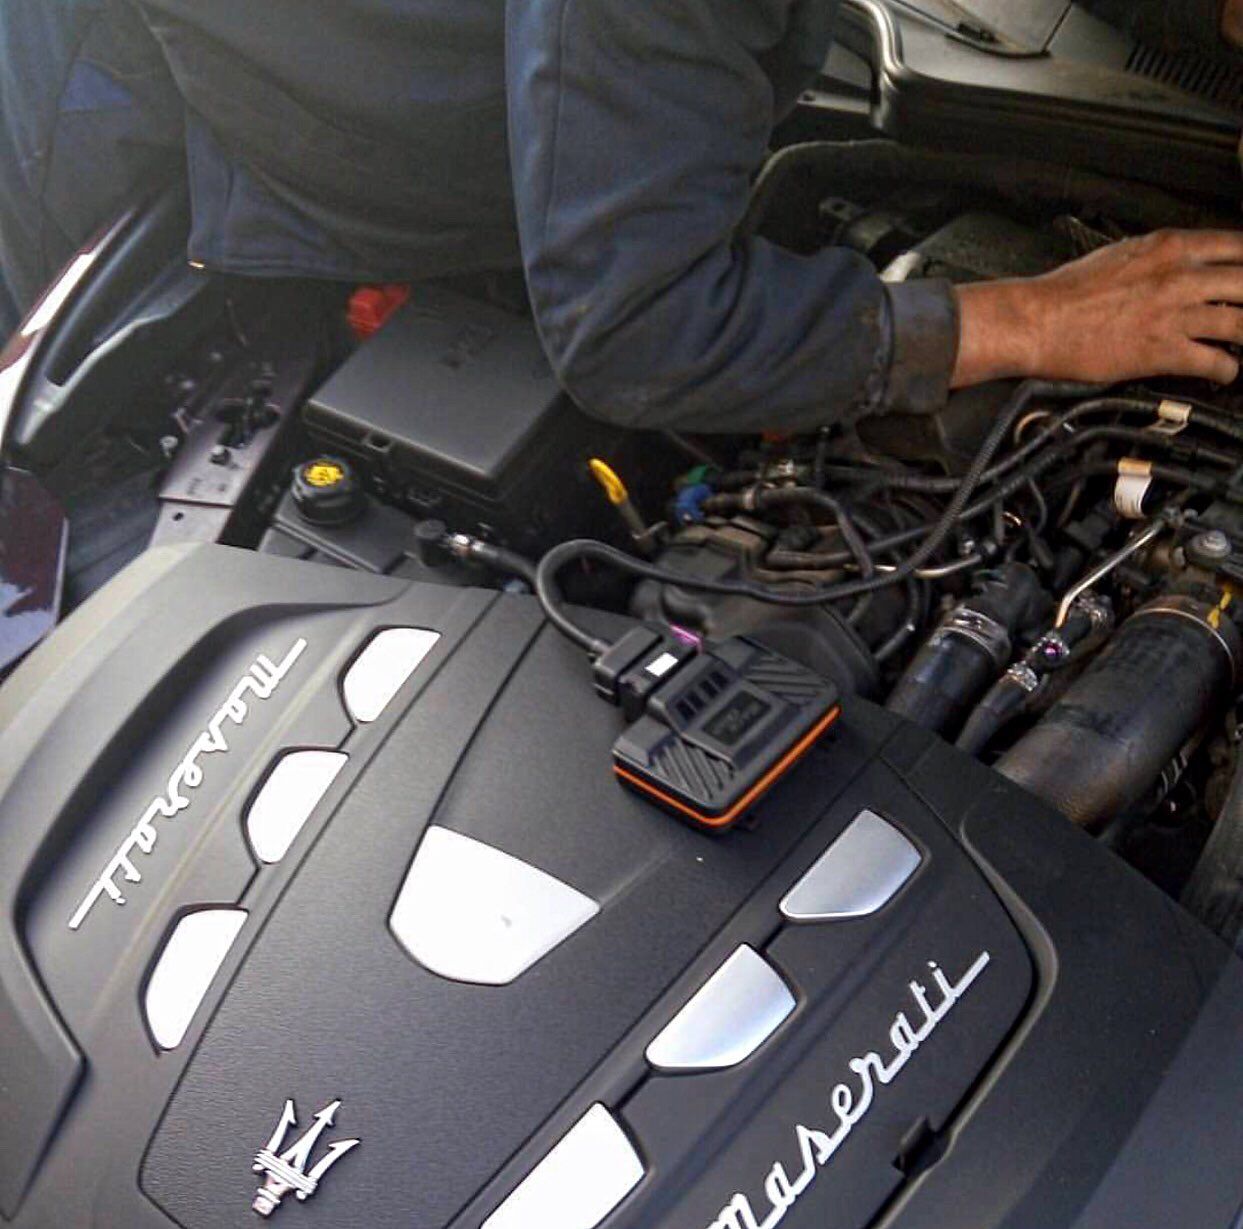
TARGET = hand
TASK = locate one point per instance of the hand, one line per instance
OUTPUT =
(1232, 22)
(1144, 307)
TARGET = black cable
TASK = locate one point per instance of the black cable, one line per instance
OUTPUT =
(1018, 479)
(1175, 475)
(911, 623)
(562, 556)
(929, 485)
(801, 497)
(1032, 471)
(501, 560)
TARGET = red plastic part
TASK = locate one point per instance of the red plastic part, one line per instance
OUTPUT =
(371, 307)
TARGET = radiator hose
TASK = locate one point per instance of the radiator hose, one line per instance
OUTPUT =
(970, 649)
(1103, 747)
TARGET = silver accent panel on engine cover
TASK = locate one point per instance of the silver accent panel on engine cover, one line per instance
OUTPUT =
(735, 1012)
(474, 914)
(584, 1177)
(859, 874)
(380, 671)
(287, 799)
(185, 970)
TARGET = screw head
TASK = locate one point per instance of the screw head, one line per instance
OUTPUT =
(1213, 544)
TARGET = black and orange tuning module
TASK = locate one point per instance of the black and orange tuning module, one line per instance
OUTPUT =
(713, 728)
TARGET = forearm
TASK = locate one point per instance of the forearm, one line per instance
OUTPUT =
(747, 338)
(634, 132)
(998, 332)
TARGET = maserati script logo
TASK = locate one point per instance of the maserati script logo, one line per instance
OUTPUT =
(259, 682)
(287, 1171)
(851, 1100)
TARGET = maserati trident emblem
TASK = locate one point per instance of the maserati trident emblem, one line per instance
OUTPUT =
(287, 1171)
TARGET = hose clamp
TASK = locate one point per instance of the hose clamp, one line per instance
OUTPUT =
(1025, 677)
(1096, 609)
(1052, 649)
(979, 629)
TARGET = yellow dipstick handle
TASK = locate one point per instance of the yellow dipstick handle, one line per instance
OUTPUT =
(609, 480)
(619, 497)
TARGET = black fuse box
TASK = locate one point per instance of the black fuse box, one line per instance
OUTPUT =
(453, 412)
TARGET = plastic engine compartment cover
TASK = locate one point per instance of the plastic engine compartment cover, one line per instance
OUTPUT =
(443, 1080)
(629, 1023)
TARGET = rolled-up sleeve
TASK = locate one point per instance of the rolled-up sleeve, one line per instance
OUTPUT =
(634, 131)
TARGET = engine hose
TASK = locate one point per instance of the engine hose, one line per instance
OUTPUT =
(770, 499)
(1051, 432)
(1026, 685)
(1176, 475)
(549, 593)
(1010, 487)
(1205, 414)
(1184, 449)
(1028, 474)
(959, 508)
(1103, 746)
(970, 648)
(1006, 700)
(1214, 893)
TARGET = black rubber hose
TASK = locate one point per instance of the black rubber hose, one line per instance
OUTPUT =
(1002, 703)
(1103, 746)
(1214, 893)
(508, 562)
(916, 605)
(770, 499)
(1175, 475)
(1205, 414)
(1049, 434)
(548, 592)
(1009, 698)
(1026, 393)
(967, 652)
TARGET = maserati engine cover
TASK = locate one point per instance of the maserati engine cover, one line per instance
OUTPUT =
(322, 904)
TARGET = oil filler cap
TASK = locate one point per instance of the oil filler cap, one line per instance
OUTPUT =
(327, 491)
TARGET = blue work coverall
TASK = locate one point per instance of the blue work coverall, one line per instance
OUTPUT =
(606, 145)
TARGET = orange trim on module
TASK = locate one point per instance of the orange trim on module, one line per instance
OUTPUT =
(761, 787)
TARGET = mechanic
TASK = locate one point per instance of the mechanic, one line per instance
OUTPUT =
(608, 146)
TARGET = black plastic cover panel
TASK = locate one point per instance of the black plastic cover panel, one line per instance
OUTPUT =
(1005, 1036)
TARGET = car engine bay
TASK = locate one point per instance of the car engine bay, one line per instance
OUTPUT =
(1044, 575)
(306, 800)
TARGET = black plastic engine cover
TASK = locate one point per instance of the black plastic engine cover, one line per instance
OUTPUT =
(1025, 1035)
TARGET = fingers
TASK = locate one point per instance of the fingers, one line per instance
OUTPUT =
(1196, 247)
(1203, 362)
(1207, 284)
(1232, 22)
(1216, 324)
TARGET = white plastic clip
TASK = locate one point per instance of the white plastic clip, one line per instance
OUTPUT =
(1134, 482)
